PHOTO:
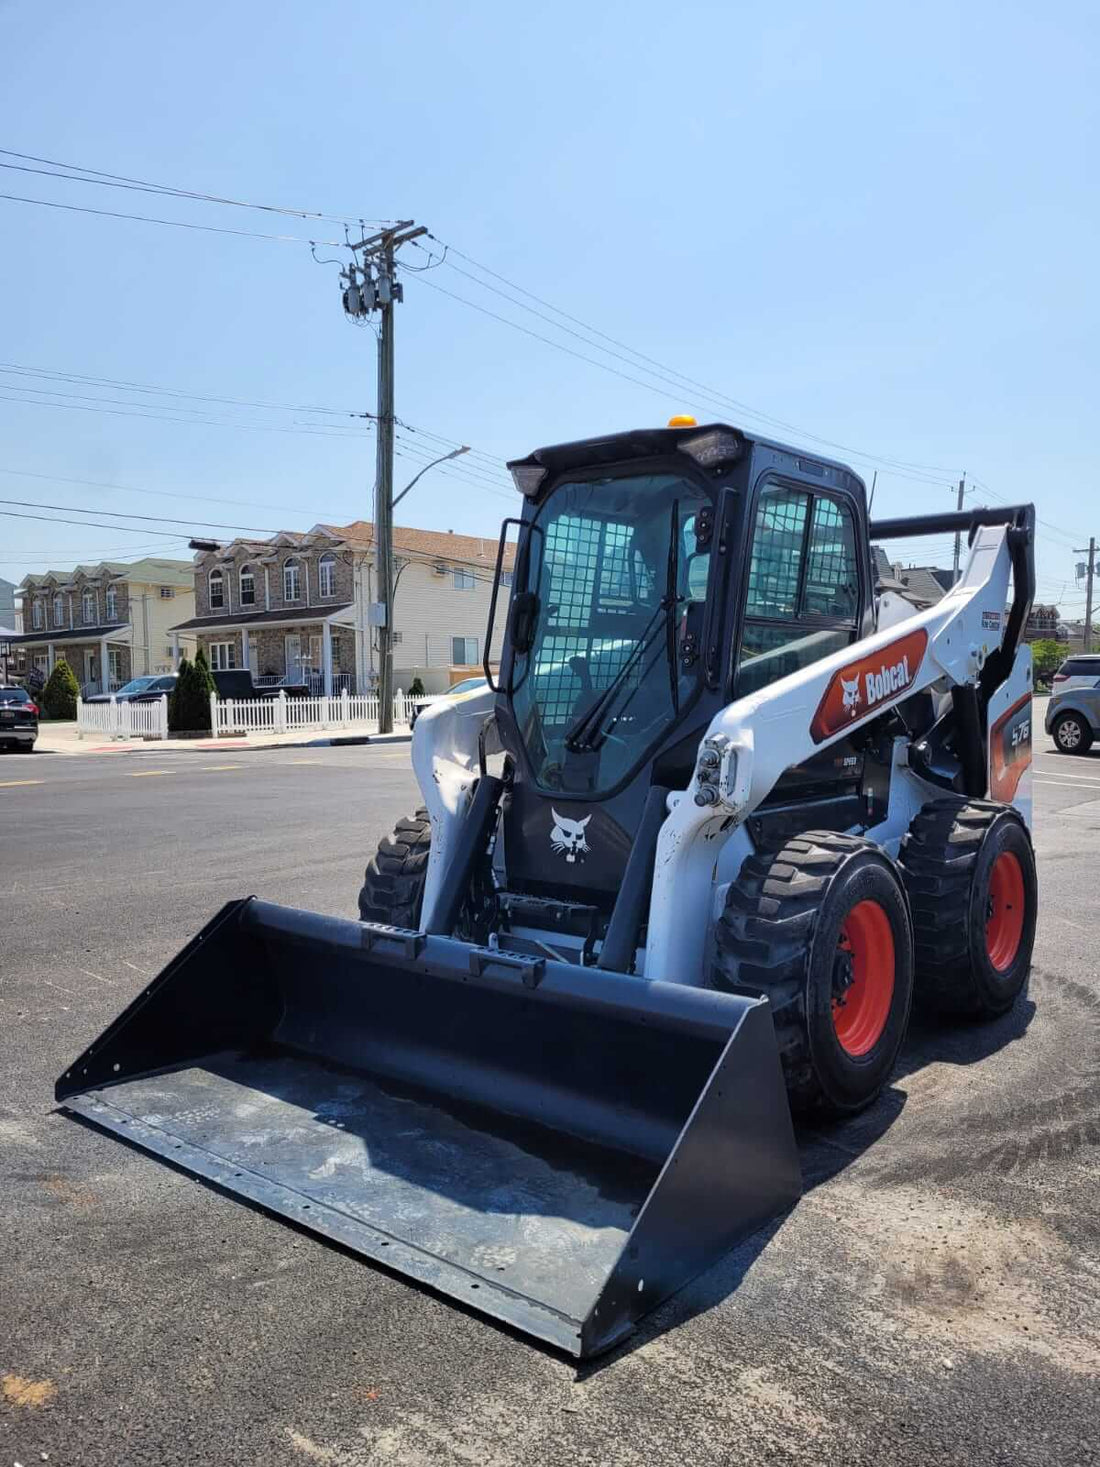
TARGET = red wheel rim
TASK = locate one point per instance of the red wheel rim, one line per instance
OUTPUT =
(866, 948)
(1004, 923)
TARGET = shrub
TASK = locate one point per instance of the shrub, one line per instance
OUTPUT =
(61, 691)
(189, 705)
(175, 705)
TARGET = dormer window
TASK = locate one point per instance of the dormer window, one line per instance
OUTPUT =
(110, 596)
(87, 607)
(247, 586)
(36, 615)
(326, 575)
(217, 591)
(58, 609)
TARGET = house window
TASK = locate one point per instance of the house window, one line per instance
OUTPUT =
(463, 580)
(36, 615)
(247, 586)
(464, 651)
(87, 608)
(217, 591)
(114, 664)
(223, 656)
(506, 578)
(292, 581)
(167, 592)
(326, 575)
(59, 610)
(111, 595)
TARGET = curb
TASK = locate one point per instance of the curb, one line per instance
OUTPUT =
(238, 746)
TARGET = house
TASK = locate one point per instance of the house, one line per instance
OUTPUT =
(923, 585)
(298, 606)
(108, 621)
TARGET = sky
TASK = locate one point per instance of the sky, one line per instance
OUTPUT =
(865, 229)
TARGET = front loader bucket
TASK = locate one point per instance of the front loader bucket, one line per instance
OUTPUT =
(560, 1147)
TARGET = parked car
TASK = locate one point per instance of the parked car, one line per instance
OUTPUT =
(1073, 713)
(139, 690)
(18, 719)
(417, 705)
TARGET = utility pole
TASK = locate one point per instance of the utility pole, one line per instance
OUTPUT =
(1089, 573)
(371, 285)
(958, 538)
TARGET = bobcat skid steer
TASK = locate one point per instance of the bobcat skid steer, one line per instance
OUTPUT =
(680, 870)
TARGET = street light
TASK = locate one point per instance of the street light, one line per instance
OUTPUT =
(454, 453)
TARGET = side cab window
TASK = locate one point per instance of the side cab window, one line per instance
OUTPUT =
(802, 595)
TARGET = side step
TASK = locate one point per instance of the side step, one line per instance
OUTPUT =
(559, 1147)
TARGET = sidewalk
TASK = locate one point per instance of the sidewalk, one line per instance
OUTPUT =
(60, 738)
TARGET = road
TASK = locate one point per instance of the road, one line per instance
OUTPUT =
(934, 1298)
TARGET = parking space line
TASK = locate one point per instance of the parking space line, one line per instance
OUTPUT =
(10, 783)
(1061, 785)
(217, 768)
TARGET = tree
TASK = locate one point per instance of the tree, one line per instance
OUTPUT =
(61, 691)
(1047, 656)
(176, 703)
(189, 705)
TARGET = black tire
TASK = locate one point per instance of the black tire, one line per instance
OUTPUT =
(393, 884)
(780, 936)
(948, 860)
(1071, 734)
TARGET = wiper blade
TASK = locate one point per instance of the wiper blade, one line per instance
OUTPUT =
(583, 732)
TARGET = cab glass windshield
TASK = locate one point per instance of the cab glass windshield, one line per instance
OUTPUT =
(619, 568)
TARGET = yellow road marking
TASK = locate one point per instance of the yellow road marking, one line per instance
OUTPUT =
(8, 783)
(148, 773)
(213, 768)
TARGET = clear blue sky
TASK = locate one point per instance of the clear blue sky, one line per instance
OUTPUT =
(875, 222)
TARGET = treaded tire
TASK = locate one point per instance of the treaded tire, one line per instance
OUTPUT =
(947, 862)
(779, 936)
(1064, 727)
(393, 884)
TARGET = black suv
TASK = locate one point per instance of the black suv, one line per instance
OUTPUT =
(18, 719)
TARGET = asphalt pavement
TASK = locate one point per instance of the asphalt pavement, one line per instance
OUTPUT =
(934, 1297)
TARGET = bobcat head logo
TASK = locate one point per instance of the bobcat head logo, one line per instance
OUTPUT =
(851, 694)
(567, 837)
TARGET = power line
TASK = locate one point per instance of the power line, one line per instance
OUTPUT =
(121, 180)
(171, 223)
(89, 524)
(126, 514)
(663, 371)
(113, 408)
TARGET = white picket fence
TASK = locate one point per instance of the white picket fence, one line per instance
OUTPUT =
(292, 715)
(123, 720)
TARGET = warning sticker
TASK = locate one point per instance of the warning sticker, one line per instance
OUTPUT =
(991, 621)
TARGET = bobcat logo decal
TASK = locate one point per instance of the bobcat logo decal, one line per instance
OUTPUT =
(567, 838)
(851, 695)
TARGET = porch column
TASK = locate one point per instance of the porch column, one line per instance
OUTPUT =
(244, 649)
(326, 657)
(175, 651)
(49, 656)
(104, 667)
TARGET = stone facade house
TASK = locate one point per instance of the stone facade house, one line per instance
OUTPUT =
(297, 607)
(110, 621)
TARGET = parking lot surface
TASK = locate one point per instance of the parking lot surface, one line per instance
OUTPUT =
(934, 1297)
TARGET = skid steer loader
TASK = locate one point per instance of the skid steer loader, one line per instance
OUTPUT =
(680, 869)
